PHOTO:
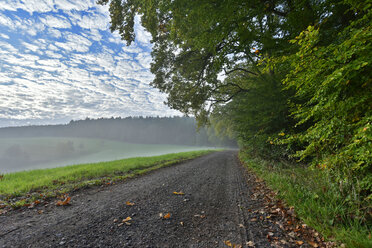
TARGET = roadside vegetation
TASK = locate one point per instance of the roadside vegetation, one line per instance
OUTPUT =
(296, 88)
(27, 187)
(316, 198)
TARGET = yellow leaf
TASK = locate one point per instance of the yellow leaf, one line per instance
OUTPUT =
(299, 242)
(64, 202)
(313, 244)
(178, 193)
(127, 219)
(228, 243)
(167, 216)
(128, 203)
(281, 134)
(250, 244)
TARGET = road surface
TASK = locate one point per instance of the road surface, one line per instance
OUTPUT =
(215, 211)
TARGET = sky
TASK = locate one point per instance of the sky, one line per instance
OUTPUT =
(59, 61)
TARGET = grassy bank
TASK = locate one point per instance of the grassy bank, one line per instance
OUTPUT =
(316, 201)
(22, 188)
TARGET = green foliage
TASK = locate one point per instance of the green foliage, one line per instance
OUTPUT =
(255, 115)
(195, 41)
(333, 100)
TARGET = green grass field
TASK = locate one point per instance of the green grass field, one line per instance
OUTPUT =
(19, 154)
(20, 188)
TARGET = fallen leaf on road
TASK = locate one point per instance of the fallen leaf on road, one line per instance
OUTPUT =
(241, 225)
(313, 244)
(200, 216)
(167, 216)
(181, 223)
(120, 224)
(299, 242)
(128, 203)
(228, 243)
(64, 202)
(250, 244)
(127, 219)
(40, 211)
(115, 220)
(254, 219)
(178, 193)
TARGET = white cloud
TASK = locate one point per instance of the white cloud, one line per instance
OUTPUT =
(35, 28)
(30, 46)
(40, 6)
(4, 36)
(75, 42)
(54, 32)
(55, 21)
(144, 60)
(43, 6)
(142, 35)
(95, 35)
(89, 20)
(6, 21)
(52, 54)
(7, 48)
(64, 63)
(132, 48)
(68, 5)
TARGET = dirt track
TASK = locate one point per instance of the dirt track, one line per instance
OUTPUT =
(212, 212)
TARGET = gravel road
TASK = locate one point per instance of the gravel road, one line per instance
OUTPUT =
(213, 212)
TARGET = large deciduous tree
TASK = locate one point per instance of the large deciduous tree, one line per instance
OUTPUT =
(195, 42)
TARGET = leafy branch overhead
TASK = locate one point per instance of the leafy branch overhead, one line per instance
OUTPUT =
(197, 42)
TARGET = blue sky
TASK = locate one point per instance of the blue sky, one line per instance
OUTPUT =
(59, 61)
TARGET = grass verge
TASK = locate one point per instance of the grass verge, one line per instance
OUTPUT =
(316, 201)
(24, 188)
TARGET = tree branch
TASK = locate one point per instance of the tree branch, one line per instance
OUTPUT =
(239, 69)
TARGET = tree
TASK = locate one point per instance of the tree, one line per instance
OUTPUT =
(196, 41)
(333, 101)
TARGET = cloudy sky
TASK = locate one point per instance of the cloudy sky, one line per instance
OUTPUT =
(59, 61)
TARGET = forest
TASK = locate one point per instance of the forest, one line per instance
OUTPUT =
(290, 79)
(138, 130)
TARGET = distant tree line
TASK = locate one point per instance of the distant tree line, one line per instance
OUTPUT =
(143, 130)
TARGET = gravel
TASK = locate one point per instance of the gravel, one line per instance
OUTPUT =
(212, 212)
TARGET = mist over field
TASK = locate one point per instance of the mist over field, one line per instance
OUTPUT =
(88, 141)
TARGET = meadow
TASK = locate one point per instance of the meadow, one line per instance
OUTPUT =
(18, 154)
(25, 187)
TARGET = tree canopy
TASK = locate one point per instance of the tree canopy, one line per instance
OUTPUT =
(196, 43)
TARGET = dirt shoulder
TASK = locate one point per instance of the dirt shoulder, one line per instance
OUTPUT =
(219, 208)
